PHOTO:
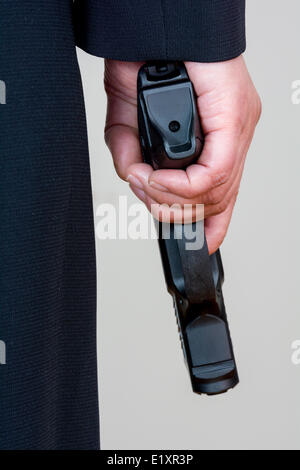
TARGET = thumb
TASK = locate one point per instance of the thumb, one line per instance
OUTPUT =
(124, 146)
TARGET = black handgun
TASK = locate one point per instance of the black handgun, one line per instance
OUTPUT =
(171, 137)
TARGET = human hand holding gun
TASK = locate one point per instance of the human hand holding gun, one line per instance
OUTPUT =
(229, 108)
(172, 142)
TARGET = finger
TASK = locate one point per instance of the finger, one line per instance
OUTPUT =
(216, 228)
(191, 212)
(174, 213)
(124, 146)
(214, 201)
(169, 213)
(121, 130)
(214, 168)
(120, 78)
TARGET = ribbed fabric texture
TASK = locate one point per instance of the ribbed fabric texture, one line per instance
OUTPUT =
(196, 30)
(48, 388)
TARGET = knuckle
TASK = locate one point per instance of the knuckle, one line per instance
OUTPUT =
(256, 108)
(214, 197)
(220, 178)
(221, 207)
(224, 204)
(238, 122)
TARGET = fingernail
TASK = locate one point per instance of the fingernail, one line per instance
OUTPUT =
(135, 181)
(157, 186)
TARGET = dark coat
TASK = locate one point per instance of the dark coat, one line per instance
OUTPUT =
(48, 387)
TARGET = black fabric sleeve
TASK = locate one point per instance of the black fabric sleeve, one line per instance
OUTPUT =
(132, 30)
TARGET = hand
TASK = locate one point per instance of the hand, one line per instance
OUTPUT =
(229, 109)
